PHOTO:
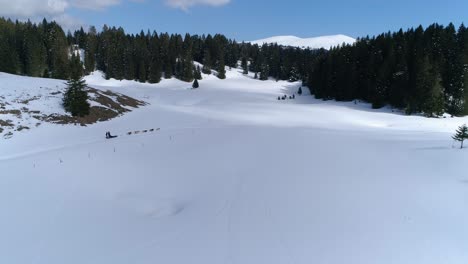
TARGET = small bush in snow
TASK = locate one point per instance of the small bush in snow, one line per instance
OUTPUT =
(461, 134)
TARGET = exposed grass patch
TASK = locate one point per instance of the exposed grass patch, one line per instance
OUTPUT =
(109, 109)
(15, 112)
(6, 123)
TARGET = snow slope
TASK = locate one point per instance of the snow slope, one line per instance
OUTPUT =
(26, 102)
(235, 176)
(325, 42)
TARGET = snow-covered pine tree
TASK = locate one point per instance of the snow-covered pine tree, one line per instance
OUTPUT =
(294, 75)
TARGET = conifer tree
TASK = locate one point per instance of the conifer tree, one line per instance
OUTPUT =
(264, 70)
(244, 65)
(57, 48)
(221, 69)
(76, 67)
(294, 75)
(197, 72)
(207, 62)
(155, 67)
(461, 134)
(75, 97)
(195, 84)
(90, 47)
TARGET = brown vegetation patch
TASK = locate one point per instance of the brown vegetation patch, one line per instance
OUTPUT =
(103, 98)
(6, 123)
(29, 100)
(96, 114)
(128, 101)
(12, 112)
(108, 102)
(20, 128)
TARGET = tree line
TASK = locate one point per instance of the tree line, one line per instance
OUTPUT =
(418, 70)
(43, 50)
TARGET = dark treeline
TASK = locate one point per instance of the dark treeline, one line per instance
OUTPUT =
(418, 70)
(43, 50)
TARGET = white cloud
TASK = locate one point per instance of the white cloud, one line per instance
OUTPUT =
(69, 22)
(56, 10)
(47, 8)
(32, 8)
(94, 4)
(186, 4)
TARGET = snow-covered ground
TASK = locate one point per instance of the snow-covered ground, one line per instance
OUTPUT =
(325, 42)
(26, 103)
(235, 176)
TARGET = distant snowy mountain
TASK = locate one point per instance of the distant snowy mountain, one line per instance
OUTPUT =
(325, 42)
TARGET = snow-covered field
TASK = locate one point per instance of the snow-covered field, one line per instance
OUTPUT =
(235, 176)
(325, 42)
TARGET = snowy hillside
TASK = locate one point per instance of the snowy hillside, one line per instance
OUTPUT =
(26, 103)
(232, 176)
(325, 42)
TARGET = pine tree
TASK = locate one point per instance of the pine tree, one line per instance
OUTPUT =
(76, 67)
(221, 69)
(207, 62)
(264, 70)
(57, 48)
(294, 75)
(461, 134)
(75, 98)
(155, 67)
(197, 72)
(90, 50)
(195, 84)
(245, 66)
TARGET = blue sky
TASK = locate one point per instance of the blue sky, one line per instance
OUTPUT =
(254, 19)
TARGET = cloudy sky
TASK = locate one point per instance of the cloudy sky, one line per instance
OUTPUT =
(243, 19)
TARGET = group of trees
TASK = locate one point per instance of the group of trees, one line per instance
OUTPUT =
(34, 49)
(418, 70)
(43, 50)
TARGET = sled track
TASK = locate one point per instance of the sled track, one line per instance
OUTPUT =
(91, 141)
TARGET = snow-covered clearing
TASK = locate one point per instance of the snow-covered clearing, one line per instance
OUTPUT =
(235, 176)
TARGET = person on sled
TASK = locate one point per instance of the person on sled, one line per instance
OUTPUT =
(108, 135)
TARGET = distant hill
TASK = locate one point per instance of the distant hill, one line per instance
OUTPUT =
(325, 42)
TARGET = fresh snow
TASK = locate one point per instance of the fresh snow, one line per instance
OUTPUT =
(325, 42)
(234, 176)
